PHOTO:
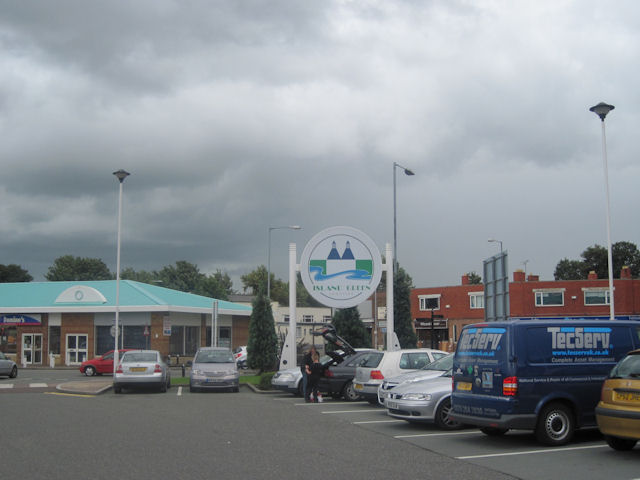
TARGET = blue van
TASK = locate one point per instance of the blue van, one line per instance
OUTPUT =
(540, 375)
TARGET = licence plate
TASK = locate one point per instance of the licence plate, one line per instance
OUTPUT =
(465, 386)
(138, 369)
(392, 405)
(627, 396)
(358, 386)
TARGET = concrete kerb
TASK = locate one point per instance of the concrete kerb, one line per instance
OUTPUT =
(86, 387)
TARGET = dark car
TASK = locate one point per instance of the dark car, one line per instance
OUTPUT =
(338, 379)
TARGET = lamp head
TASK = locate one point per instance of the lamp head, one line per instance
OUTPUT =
(121, 174)
(601, 109)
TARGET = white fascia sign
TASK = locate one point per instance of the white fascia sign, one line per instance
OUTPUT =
(341, 267)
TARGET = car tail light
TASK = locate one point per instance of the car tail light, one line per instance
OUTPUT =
(376, 375)
(328, 373)
(510, 386)
(158, 368)
(119, 370)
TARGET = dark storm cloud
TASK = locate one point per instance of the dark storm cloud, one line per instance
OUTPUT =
(236, 116)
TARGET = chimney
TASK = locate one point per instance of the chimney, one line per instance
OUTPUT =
(533, 278)
(465, 279)
(592, 275)
(625, 272)
(518, 276)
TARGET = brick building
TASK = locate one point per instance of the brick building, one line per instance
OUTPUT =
(453, 307)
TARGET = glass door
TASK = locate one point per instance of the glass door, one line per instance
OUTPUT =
(76, 349)
(32, 348)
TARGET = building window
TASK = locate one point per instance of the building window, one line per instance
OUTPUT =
(54, 340)
(286, 319)
(429, 302)
(476, 300)
(298, 332)
(184, 340)
(8, 339)
(597, 297)
(326, 319)
(307, 318)
(549, 298)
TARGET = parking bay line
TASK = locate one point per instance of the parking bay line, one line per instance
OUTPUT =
(529, 452)
(418, 435)
(329, 412)
(378, 421)
(6, 385)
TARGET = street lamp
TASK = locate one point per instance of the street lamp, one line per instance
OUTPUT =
(493, 240)
(395, 229)
(601, 110)
(121, 175)
(290, 227)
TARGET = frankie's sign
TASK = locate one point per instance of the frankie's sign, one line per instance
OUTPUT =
(341, 267)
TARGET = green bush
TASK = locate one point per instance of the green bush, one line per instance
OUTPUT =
(265, 381)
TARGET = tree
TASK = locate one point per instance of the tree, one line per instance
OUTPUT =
(595, 258)
(262, 347)
(474, 278)
(69, 267)
(141, 276)
(218, 285)
(14, 273)
(403, 325)
(184, 276)
(349, 326)
(569, 270)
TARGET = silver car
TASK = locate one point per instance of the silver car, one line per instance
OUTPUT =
(214, 368)
(433, 369)
(142, 368)
(425, 401)
(8, 367)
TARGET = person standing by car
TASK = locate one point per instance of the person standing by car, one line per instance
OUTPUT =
(307, 361)
(314, 372)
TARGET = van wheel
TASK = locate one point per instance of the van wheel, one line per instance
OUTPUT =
(493, 431)
(621, 444)
(555, 425)
(442, 418)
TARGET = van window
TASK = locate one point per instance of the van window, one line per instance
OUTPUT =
(576, 344)
(482, 343)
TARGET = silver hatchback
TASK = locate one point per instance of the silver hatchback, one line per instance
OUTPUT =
(214, 368)
(142, 368)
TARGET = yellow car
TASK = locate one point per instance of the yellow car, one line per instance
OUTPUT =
(618, 413)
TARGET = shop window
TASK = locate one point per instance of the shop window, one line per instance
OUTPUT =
(133, 337)
(8, 339)
(104, 340)
(54, 340)
(184, 340)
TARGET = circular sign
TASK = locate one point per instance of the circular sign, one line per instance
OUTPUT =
(341, 267)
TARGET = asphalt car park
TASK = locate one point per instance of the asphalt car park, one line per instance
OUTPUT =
(364, 428)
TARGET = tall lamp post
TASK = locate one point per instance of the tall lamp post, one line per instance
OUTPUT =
(121, 175)
(290, 227)
(493, 240)
(601, 110)
(395, 229)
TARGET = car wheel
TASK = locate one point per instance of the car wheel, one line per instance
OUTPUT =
(14, 372)
(493, 431)
(192, 389)
(349, 393)
(373, 401)
(236, 389)
(621, 444)
(300, 393)
(90, 371)
(555, 425)
(442, 418)
(163, 387)
(117, 389)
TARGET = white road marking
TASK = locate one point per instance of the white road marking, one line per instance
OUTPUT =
(529, 452)
(379, 421)
(6, 385)
(38, 385)
(179, 391)
(329, 412)
(417, 435)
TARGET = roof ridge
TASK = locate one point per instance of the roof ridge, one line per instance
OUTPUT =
(138, 286)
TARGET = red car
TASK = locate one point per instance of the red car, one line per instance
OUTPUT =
(100, 365)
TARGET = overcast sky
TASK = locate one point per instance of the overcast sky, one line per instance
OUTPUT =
(234, 116)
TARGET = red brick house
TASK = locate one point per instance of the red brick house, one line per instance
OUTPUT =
(529, 297)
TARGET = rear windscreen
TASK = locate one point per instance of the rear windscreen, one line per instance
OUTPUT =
(482, 343)
(373, 361)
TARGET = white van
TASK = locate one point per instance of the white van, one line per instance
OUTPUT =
(389, 364)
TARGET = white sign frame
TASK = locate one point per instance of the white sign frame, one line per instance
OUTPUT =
(341, 267)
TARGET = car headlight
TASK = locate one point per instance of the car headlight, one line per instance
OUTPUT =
(285, 377)
(416, 396)
(197, 372)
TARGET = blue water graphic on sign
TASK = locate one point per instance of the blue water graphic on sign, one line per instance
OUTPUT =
(316, 273)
